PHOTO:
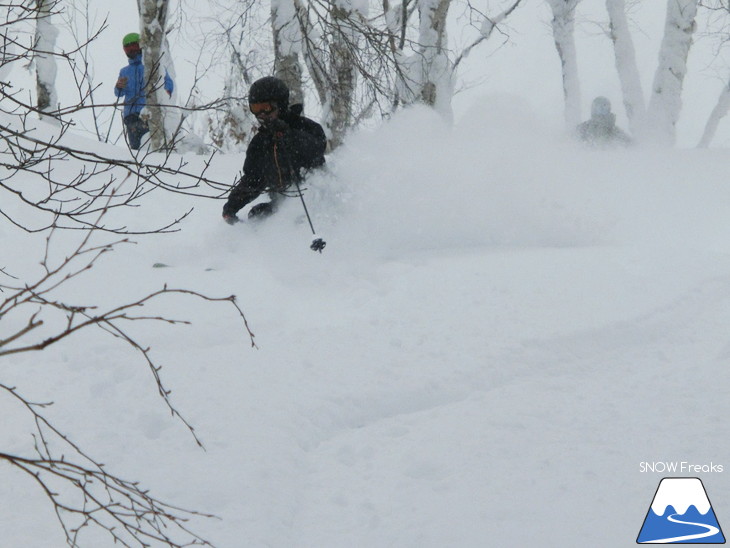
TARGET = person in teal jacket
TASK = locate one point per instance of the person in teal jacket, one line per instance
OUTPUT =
(131, 86)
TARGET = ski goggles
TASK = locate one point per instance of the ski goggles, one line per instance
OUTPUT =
(132, 49)
(262, 108)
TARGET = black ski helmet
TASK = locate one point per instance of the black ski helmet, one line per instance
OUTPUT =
(269, 90)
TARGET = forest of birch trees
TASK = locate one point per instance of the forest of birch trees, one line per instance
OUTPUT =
(358, 60)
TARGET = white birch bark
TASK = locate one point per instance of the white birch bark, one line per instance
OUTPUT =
(665, 104)
(343, 68)
(45, 63)
(396, 20)
(334, 71)
(435, 78)
(313, 58)
(563, 24)
(164, 122)
(287, 47)
(718, 113)
(628, 71)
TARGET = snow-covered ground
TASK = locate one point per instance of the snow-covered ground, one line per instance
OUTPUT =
(502, 328)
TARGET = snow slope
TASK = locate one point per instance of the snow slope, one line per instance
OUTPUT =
(502, 326)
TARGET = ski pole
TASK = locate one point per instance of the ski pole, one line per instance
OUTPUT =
(318, 243)
(111, 124)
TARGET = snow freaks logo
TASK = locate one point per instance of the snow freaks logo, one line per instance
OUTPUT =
(680, 513)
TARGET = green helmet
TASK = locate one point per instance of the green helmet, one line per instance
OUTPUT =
(130, 38)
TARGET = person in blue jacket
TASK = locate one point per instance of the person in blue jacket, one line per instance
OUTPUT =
(131, 86)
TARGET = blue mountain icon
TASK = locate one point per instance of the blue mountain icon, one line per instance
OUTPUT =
(681, 513)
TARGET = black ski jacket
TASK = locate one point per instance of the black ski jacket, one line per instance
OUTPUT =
(275, 161)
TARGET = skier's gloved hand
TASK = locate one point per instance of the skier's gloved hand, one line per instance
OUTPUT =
(261, 210)
(230, 219)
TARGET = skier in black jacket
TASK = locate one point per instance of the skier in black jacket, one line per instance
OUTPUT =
(286, 145)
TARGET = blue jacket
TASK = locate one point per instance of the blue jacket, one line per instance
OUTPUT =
(133, 92)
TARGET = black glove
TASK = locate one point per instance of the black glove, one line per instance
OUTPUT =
(230, 219)
(261, 210)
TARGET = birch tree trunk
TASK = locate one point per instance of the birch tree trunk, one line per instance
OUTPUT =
(666, 99)
(436, 70)
(563, 24)
(287, 46)
(45, 63)
(312, 56)
(332, 61)
(343, 69)
(628, 71)
(718, 113)
(163, 124)
(396, 24)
